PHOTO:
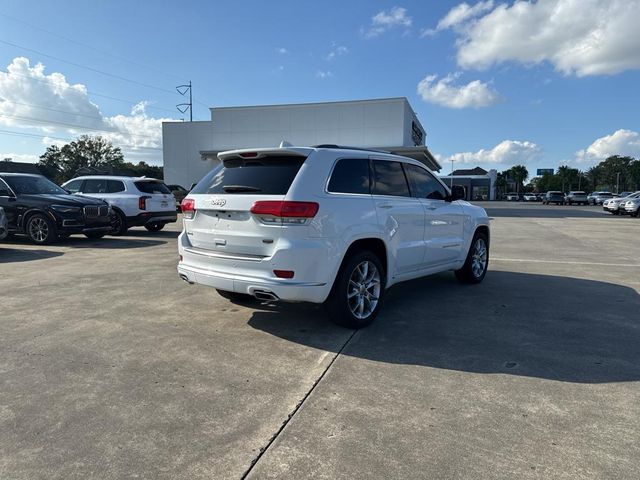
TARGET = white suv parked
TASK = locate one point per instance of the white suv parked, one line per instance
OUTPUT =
(136, 201)
(326, 225)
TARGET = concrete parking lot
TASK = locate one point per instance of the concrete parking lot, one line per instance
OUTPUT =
(111, 367)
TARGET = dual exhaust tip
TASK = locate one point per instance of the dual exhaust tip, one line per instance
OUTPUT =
(264, 295)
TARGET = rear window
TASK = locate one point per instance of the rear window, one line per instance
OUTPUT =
(272, 175)
(350, 176)
(147, 186)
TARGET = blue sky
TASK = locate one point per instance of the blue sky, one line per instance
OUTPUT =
(500, 83)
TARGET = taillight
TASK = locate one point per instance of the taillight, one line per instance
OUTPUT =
(142, 203)
(188, 207)
(284, 211)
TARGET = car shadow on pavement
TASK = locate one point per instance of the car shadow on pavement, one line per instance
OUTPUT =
(80, 241)
(145, 234)
(543, 326)
(15, 255)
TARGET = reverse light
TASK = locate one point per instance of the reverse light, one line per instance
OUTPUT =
(188, 207)
(284, 273)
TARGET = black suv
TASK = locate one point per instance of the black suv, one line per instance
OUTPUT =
(45, 212)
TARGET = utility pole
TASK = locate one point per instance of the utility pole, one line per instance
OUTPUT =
(618, 182)
(183, 107)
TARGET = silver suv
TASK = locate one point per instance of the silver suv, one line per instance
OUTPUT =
(616, 205)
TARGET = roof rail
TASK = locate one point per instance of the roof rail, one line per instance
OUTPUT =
(346, 147)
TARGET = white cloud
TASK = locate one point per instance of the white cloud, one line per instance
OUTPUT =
(585, 37)
(282, 51)
(19, 157)
(382, 21)
(336, 51)
(324, 74)
(29, 98)
(460, 14)
(621, 142)
(443, 92)
(507, 152)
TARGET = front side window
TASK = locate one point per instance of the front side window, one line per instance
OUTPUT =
(423, 184)
(350, 176)
(73, 186)
(389, 179)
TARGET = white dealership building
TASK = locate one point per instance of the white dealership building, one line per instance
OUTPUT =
(189, 149)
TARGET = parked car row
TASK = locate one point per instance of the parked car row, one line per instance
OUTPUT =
(94, 206)
(574, 197)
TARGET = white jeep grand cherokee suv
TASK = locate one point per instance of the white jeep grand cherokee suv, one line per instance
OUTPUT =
(136, 201)
(326, 225)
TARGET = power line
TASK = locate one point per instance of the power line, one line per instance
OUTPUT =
(90, 46)
(133, 102)
(33, 135)
(75, 64)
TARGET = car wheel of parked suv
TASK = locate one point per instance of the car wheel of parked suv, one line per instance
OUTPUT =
(475, 266)
(356, 296)
(154, 227)
(41, 230)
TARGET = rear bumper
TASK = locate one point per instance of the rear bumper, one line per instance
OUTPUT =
(310, 284)
(167, 216)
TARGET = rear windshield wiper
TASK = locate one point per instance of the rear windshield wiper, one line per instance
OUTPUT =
(240, 188)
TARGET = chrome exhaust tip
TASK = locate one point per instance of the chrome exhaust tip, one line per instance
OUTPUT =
(265, 295)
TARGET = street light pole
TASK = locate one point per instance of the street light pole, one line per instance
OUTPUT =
(618, 182)
(452, 173)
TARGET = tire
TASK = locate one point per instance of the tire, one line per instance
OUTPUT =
(358, 291)
(95, 235)
(154, 227)
(570, 203)
(476, 264)
(118, 224)
(41, 230)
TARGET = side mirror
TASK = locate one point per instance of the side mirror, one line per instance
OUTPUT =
(458, 192)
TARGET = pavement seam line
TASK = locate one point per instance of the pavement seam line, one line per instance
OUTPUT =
(298, 406)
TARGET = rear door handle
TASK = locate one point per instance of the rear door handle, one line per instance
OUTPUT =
(385, 205)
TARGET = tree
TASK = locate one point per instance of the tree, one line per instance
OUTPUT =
(520, 174)
(61, 164)
(593, 176)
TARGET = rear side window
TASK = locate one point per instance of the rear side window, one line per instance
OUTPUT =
(115, 186)
(272, 175)
(389, 179)
(149, 186)
(350, 176)
(423, 184)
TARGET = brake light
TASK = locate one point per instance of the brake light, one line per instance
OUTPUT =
(249, 154)
(142, 203)
(285, 209)
(188, 207)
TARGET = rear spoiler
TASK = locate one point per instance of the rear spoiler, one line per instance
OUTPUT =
(265, 152)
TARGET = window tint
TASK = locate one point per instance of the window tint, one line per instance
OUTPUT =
(389, 179)
(151, 186)
(350, 176)
(95, 185)
(73, 186)
(115, 186)
(36, 185)
(423, 184)
(272, 175)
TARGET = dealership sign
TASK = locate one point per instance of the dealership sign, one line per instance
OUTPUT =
(544, 171)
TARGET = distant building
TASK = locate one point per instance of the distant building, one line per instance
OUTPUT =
(190, 149)
(7, 166)
(478, 183)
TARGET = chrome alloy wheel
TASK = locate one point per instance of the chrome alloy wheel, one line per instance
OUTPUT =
(364, 290)
(479, 258)
(39, 229)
